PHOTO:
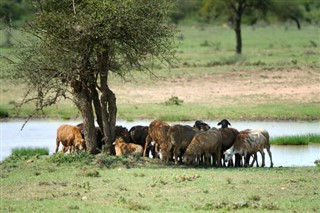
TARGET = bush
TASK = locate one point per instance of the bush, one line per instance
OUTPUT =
(61, 157)
(110, 161)
(174, 100)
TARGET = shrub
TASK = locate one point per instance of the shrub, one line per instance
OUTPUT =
(61, 157)
(174, 100)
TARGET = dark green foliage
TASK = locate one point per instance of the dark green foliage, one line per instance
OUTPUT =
(109, 161)
(81, 157)
(174, 100)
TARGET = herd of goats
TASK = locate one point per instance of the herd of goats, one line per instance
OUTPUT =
(191, 145)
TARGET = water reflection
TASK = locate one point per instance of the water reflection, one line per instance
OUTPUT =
(42, 133)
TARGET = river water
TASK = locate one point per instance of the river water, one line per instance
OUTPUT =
(42, 133)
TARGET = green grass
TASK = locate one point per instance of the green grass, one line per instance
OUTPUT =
(269, 46)
(296, 139)
(111, 184)
(191, 111)
(187, 111)
(29, 151)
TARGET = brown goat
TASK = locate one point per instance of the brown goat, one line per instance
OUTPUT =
(180, 137)
(207, 143)
(157, 132)
(71, 139)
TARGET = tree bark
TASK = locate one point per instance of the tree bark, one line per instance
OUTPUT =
(84, 103)
(238, 36)
(108, 112)
(96, 104)
(108, 104)
(112, 109)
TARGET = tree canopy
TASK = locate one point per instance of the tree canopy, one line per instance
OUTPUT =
(76, 44)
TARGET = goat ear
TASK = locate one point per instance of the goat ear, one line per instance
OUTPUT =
(219, 123)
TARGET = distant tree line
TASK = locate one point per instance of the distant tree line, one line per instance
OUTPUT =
(270, 11)
(14, 12)
(234, 13)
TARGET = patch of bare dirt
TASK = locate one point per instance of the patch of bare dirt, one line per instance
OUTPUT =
(232, 87)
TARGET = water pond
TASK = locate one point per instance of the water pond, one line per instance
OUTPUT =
(42, 133)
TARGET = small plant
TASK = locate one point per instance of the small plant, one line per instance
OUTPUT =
(174, 100)
(84, 185)
(74, 207)
(90, 172)
(313, 44)
(255, 198)
(229, 180)
(137, 206)
(182, 178)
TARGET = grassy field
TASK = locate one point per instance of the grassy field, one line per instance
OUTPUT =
(66, 183)
(205, 51)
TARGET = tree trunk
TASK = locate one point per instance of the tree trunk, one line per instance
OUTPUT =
(112, 108)
(297, 22)
(238, 36)
(238, 7)
(84, 103)
(96, 104)
(108, 104)
(108, 112)
(237, 28)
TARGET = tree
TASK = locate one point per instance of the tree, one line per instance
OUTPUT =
(185, 9)
(11, 11)
(77, 44)
(285, 10)
(233, 11)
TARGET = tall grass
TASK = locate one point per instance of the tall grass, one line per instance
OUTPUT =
(3, 112)
(29, 151)
(296, 139)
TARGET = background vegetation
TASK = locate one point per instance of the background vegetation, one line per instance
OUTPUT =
(276, 47)
(271, 41)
